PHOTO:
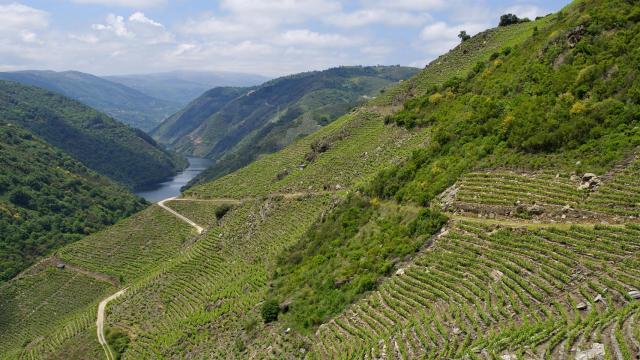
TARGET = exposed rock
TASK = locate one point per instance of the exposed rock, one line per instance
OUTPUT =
(566, 208)
(456, 331)
(590, 181)
(496, 274)
(535, 210)
(582, 306)
(634, 294)
(287, 330)
(61, 266)
(284, 306)
(598, 298)
(595, 353)
(575, 35)
(448, 196)
(509, 357)
(400, 272)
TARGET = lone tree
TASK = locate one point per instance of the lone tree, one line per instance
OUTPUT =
(464, 36)
(510, 19)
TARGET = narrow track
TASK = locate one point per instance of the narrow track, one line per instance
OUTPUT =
(100, 324)
(199, 228)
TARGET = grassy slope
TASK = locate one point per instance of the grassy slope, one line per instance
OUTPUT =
(216, 285)
(110, 148)
(123, 103)
(47, 200)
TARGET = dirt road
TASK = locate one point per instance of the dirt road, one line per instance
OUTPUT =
(199, 228)
(100, 324)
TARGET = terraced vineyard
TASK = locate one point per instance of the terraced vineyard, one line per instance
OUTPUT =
(46, 300)
(619, 195)
(359, 145)
(202, 212)
(133, 246)
(486, 292)
(615, 199)
(213, 287)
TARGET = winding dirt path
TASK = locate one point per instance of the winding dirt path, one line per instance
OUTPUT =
(199, 228)
(100, 324)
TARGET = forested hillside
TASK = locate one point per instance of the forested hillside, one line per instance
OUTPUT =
(235, 126)
(48, 199)
(126, 104)
(104, 145)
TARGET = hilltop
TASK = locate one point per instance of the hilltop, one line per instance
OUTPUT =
(124, 103)
(101, 143)
(184, 86)
(236, 125)
(455, 216)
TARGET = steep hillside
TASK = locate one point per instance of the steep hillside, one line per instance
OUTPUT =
(130, 106)
(48, 199)
(179, 125)
(185, 86)
(327, 251)
(104, 145)
(196, 294)
(264, 119)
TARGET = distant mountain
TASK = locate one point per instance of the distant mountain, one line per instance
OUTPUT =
(128, 105)
(184, 86)
(235, 126)
(101, 143)
(48, 199)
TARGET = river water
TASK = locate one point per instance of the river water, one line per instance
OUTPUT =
(171, 187)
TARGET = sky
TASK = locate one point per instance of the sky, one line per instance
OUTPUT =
(267, 37)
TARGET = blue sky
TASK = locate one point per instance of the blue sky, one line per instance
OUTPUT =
(269, 37)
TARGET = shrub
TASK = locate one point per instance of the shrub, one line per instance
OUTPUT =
(222, 210)
(118, 341)
(270, 310)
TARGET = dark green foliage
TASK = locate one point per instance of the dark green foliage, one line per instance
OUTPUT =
(510, 19)
(270, 310)
(567, 95)
(222, 210)
(47, 199)
(463, 36)
(118, 341)
(104, 145)
(121, 102)
(344, 256)
(235, 126)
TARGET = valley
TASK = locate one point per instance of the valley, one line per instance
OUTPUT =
(484, 207)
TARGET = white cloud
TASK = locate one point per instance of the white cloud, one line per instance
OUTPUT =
(304, 37)
(289, 10)
(377, 16)
(124, 3)
(440, 37)
(141, 18)
(524, 10)
(410, 5)
(114, 24)
(15, 17)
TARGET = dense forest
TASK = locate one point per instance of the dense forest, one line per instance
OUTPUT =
(48, 199)
(112, 149)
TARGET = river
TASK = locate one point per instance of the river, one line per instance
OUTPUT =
(172, 187)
